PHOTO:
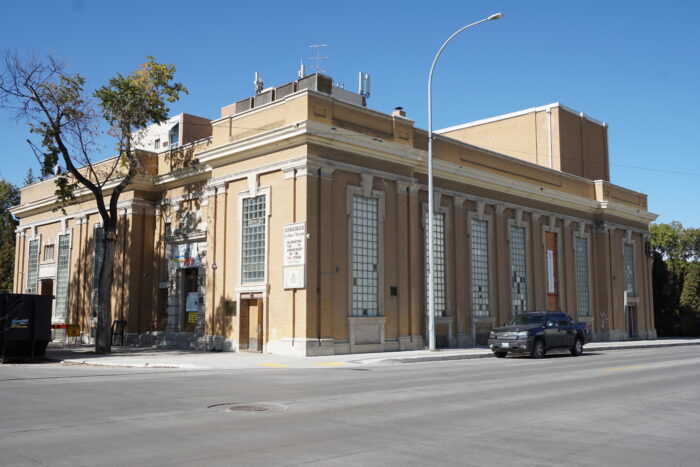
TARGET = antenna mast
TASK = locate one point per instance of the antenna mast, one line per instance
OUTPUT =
(317, 59)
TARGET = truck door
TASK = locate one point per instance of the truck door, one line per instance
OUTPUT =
(551, 331)
(566, 331)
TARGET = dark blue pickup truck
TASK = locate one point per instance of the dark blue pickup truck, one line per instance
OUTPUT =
(535, 333)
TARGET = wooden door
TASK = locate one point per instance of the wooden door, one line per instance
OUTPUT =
(46, 287)
(255, 328)
(243, 326)
(552, 279)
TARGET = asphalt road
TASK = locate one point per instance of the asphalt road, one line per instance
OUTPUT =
(618, 408)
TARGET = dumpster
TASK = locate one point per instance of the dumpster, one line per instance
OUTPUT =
(25, 326)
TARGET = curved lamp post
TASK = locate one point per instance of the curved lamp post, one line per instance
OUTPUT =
(431, 221)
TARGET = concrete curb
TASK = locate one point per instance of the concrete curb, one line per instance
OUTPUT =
(488, 354)
(182, 362)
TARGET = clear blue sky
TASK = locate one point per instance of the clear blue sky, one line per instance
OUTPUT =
(633, 64)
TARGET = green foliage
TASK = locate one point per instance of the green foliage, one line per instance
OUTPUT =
(676, 279)
(9, 196)
(135, 101)
(30, 178)
(60, 112)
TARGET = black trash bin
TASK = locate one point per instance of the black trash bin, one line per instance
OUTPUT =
(25, 326)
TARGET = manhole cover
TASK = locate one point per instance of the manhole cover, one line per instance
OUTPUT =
(239, 407)
(247, 408)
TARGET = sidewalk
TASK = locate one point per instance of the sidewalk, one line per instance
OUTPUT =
(140, 357)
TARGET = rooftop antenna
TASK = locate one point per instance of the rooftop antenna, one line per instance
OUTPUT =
(302, 69)
(364, 85)
(317, 65)
(258, 83)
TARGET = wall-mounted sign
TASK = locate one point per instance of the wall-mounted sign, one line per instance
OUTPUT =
(294, 244)
(294, 277)
(294, 259)
(186, 255)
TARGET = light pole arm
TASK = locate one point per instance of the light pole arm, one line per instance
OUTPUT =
(432, 68)
(431, 209)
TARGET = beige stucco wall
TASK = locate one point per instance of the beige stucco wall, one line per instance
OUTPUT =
(310, 153)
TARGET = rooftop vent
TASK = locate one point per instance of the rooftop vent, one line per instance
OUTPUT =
(316, 82)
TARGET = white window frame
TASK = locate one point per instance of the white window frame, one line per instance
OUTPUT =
(260, 286)
(587, 239)
(489, 233)
(352, 191)
(93, 302)
(53, 253)
(516, 223)
(632, 244)
(69, 233)
(27, 287)
(447, 260)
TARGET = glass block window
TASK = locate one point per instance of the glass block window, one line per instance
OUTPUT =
(98, 236)
(439, 284)
(33, 266)
(62, 276)
(518, 269)
(254, 236)
(582, 293)
(628, 262)
(365, 256)
(480, 268)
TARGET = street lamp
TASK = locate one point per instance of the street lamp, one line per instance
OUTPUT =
(431, 221)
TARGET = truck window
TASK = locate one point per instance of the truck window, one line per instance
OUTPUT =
(527, 319)
(561, 319)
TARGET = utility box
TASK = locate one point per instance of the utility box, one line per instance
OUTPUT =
(25, 326)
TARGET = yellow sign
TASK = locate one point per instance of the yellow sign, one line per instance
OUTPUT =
(73, 330)
(192, 317)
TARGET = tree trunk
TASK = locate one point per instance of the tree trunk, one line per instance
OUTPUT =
(103, 335)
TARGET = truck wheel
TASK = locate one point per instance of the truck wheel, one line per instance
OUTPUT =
(537, 349)
(577, 349)
(500, 354)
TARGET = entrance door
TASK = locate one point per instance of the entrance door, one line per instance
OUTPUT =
(251, 332)
(46, 287)
(552, 273)
(189, 299)
(632, 322)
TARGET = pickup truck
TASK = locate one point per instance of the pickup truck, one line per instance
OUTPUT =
(535, 333)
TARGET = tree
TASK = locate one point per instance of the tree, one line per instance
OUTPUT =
(63, 115)
(30, 177)
(9, 196)
(676, 278)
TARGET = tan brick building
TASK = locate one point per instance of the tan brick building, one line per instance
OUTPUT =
(295, 224)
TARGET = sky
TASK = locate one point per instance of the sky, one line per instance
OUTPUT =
(632, 64)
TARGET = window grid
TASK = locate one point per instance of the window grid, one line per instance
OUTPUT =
(480, 268)
(254, 236)
(33, 266)
(97, 261)
(518, 269)
(365, 256)
(628, 261)
(582, 293)
(439, 276)
(62, 276)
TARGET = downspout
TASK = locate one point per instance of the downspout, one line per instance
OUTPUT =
(318, 256)
(294, 291)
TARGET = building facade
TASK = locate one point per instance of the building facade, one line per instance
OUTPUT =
(295, 224)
